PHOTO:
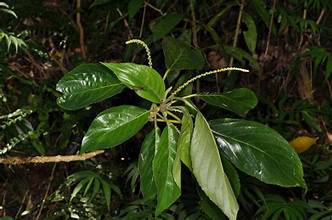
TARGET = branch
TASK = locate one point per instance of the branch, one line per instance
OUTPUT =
(80, 28)
(49, 159)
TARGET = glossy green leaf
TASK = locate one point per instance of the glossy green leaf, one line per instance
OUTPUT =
(145, 165)
(232, 175)
(87, 84)
(180, 56)
(114, 126)
(167, 189)
(239, 101)
(259, 151)
(185, 138)
(208, 169)
(250, 35)
(164, 25)
(145, 81)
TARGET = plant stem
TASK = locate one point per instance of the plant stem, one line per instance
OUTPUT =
(203, 75)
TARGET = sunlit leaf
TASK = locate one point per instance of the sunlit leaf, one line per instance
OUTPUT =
(167, 189)
(145, 165)
(208, 169)
(145, 81)
(87, 84)
(114, 126)
(259, 151)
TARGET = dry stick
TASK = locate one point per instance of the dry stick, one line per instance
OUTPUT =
(154, 8)
(237, 30)
(22, 203)
(320, 17)
(49, 159)
(125, 23)
(143, 20)
(303, 17)
(270, 28)
(194, 27)
(46, 193)
(80, 28)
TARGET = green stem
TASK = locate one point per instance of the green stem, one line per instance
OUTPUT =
(203, 75)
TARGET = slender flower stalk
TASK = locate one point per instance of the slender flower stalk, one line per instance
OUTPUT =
(143, 44)
(203, 75)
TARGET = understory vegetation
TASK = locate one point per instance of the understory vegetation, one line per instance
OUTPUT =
(196, 109)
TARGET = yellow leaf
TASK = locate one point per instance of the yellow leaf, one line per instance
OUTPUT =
(302, 143)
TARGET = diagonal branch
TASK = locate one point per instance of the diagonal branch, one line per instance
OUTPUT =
(49, 159)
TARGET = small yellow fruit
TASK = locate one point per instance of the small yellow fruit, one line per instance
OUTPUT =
(302, 143)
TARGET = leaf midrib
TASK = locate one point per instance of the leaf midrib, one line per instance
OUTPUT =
(250, 145)
(122, 125)
(91, 89)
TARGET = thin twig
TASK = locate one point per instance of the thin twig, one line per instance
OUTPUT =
(270, 28)
(46, 193)
(194, 27)
(80, 28)
(303, 17)
(154, 8)
(143, 20)
(237, 30)
(125, 23)
(22, 203)
(320, 17)
(49, 159)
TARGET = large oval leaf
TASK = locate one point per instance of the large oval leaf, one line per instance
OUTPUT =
(208, 169)
(167, 189)
(239, 101)
(259, 151)
(145, 165)
(114, 126)
(87, 84)
(145, 81)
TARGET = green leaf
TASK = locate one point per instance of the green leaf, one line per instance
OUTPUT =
(208, 169)
(145, 165)
(180, 56)
(113, 127)
(239, 101)
(260, 7)
(164, 25)
(107, 192)
(145, 81)
(87, 84)
(259, 151)
(250, 36)
(185, 138)
(242, 56)
(96, 187)
(232, 175)
(78, 188)
(167, 189)
(134, 7)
